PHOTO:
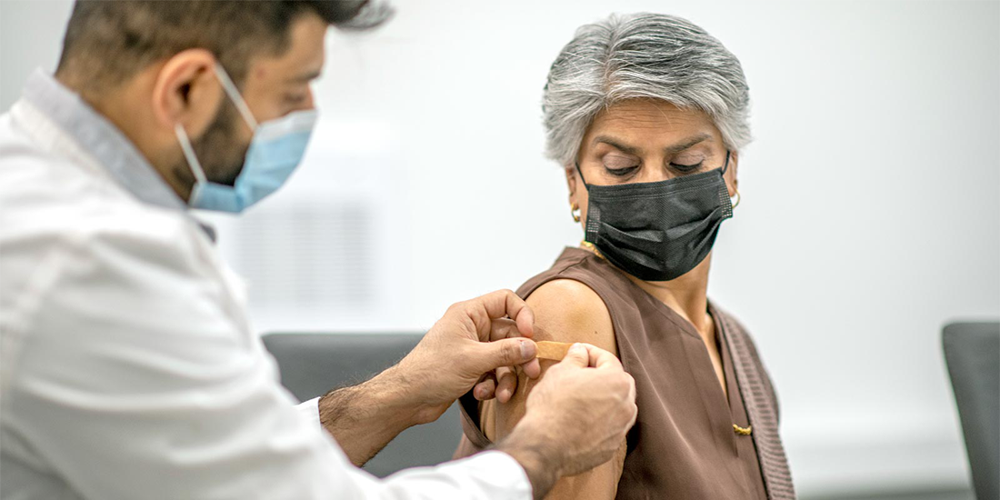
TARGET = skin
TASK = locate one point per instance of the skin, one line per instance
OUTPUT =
(595, 396)
(635, 141)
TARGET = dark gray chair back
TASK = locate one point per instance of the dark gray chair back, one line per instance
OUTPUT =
(972, 353)
(313, 363)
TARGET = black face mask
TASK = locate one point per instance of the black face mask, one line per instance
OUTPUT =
(657, 231)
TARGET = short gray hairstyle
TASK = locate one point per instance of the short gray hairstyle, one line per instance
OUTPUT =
(642, 56)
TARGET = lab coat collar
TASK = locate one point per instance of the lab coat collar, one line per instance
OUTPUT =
(102, 139)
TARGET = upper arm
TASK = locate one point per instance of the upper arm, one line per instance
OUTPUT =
(565, 311)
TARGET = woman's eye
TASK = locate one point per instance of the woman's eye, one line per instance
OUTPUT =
(621, 172)
(686, 168)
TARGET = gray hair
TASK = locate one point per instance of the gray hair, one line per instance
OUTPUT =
(642, 56)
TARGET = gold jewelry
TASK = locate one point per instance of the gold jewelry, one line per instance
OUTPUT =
(572, 210)
(737, 199)
(743, 431)
(590, 246)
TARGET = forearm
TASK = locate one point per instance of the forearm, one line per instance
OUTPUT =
(534, 451)
(364, 418)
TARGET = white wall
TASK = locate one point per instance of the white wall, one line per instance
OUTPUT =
(870, 213)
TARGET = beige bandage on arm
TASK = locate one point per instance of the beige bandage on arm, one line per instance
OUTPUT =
(555, 351)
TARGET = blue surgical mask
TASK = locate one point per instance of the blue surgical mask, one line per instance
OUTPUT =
(275, 150)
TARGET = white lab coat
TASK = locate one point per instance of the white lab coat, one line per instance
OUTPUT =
(128, 368)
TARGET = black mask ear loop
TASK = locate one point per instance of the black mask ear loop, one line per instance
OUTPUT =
(577, 164)
(584, 241)
(725, 166)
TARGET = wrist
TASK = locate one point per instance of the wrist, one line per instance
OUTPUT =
(365, 417)
(414, 396)
(381, 398)
(394, 392)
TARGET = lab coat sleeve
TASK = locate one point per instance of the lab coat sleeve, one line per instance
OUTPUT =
(310, 411)
(134, 380)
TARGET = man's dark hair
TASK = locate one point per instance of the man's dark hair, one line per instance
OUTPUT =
(108, 42)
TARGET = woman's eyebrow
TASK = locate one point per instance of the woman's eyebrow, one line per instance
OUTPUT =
(681, 146)
(615, 143)
(669, 150)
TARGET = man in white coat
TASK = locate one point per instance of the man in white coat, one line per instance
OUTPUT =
(129, 369)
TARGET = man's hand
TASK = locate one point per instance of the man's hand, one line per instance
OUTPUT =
(476, 343)
(575, 419)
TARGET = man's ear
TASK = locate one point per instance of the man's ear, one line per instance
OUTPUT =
(186, 91)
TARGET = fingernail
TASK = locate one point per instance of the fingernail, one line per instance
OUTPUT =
(578, 348)
(527, 349)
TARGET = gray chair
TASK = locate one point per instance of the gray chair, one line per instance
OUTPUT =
(313, 363)
(972, 353)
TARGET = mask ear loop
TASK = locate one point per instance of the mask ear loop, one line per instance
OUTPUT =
(577, 164)
(192, 159)
(576, 218)
(234, 95)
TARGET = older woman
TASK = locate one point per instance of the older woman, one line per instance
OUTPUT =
(647, 114)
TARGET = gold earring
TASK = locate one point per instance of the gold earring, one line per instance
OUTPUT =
(737, 203)
(573, 210)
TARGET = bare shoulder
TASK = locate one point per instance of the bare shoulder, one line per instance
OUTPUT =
(569, 311)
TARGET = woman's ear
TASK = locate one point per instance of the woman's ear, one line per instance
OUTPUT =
(732, 179)
(577, 193)
(186, 91)
(571, 182)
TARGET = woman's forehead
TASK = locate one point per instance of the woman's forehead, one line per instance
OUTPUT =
(641, 123)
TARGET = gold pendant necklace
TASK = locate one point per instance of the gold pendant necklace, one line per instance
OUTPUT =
(590, 246)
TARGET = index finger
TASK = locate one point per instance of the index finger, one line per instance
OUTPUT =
(500, 304)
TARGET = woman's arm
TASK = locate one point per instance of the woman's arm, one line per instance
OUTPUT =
(565, 311)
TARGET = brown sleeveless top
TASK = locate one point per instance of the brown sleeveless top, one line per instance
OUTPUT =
(684, 444)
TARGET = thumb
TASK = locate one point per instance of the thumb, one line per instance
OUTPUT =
(578, 355)
(506, 352)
